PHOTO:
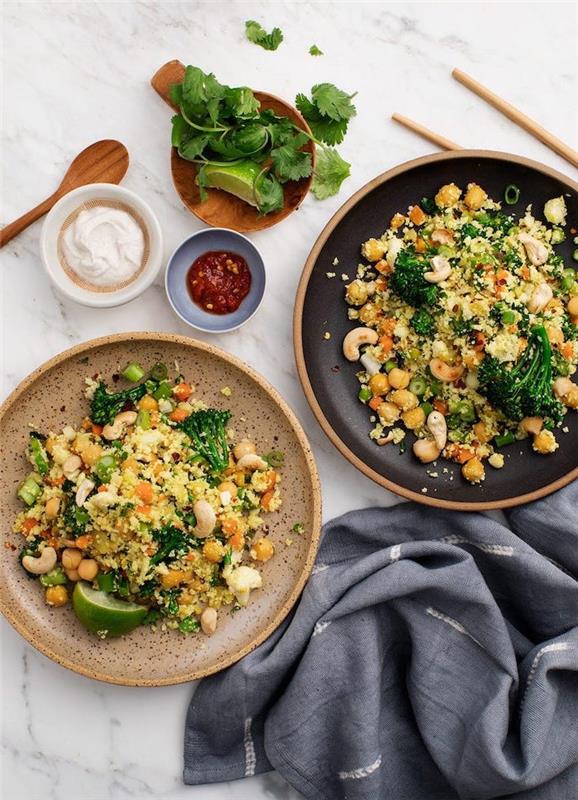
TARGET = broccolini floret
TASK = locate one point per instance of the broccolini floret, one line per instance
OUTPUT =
(206, 430)
(423, 323)
(525, 389)
(106, 405)
(407, 280)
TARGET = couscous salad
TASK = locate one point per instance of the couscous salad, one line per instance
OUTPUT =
(148, 512)
(466, 328)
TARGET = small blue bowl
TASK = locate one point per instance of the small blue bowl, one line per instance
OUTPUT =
(180, 263)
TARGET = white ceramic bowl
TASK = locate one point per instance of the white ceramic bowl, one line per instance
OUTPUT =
(53, 225)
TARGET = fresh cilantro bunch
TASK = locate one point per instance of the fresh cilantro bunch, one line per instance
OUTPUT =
(258, 35)
(252, 152)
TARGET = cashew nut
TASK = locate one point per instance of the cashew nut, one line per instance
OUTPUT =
(206, 519)
(540, 298)
(532, 425)
(536, 251)
(45, 562)
(441, 270)
(116, 429)
(445, 372)
(572, 306)
(243, 448)
(426, 450)
(71, 466)
(394, 247)
(442, 236)
(385, 439)
(355, 338)
(52, 507)
(85, 488)
(252, 461)
(438, 428)
(209, 620)
(370, 364)
(562, 387)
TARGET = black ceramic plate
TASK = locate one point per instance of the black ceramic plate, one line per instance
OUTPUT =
(329, 380)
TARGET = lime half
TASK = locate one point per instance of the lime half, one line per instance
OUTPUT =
(238, 179)
(103, 614)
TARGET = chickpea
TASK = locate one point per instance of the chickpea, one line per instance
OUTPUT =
(388, 412)
(244, 448)
(379, 384)
(148, 403)
(52, 507)
(369, 313)
(228, 486)
(357, 293)
(72, 575)
(397, 221)
(262, 550)
(532, 425)
(545, 442)
(56, 596)
(87, 569)
(482, 433)
(573, 306)
(214, 551)
(414, 418)
(475, 197)
(448, 195)
(373, 249)
(555, 335)
(405, 399)
(571, 399)
(398, 378)
(473, 470)
(71, 558)
(91, 454)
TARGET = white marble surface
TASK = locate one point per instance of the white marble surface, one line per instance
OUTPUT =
(78, 72)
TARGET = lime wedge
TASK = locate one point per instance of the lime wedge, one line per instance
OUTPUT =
(238, 179)
(103, 614)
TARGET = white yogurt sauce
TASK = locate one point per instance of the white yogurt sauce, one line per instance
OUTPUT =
(104, 246)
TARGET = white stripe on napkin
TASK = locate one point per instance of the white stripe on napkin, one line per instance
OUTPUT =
(433, 612)
(362, 772)
(250, 757)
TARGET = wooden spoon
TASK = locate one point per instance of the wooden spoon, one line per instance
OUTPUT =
(102, 162)
(221, 209)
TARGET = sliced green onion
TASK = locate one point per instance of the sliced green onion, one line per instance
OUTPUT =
(418, 385)
(575, 240)
(568, 278)
(365, 394)
(575, 255)
(38, 455)
(558, 236)
(104, 468)
(28, 491)
(189, 625)
(507, 438)
(465, 410)
(55, 577)
(163, 391)
(106, 582)
(143, 419)
(427, 408)
(133, 372)
(390, 364)
(512, 194)
(159, 372)
(508, 317)
(275, 459)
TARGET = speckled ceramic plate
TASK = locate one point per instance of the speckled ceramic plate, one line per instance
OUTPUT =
(329, 381)
(53, 396)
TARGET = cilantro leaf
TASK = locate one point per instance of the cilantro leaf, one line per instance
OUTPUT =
(191, 148)
(325, 129)
(258, 35)
(241, 102)
(315, 51)
(330, 172)
(269, 193)
(289, 162)
(198, 90)
(180, 129)
(332, 102)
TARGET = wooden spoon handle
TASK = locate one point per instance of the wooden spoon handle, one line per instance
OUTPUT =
(172, 72)
(14, 228)
(421, 130)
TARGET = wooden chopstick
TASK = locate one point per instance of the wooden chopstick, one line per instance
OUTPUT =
(421, 130)
(551, 141)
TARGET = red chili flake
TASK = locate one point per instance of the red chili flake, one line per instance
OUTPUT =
(176, 457)
(336, 368)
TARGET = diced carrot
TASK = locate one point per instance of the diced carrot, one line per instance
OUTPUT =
(388, 325)
(130, 463)
(380, 284)
(386, 343)
(237, 541)
(266, 499)
(397, 221)
(375, 402)
(96, 429)
(144, 491)
(57, 481)
(229, 526)
(83, 541)
(382, 267)
(183, 391)
(145, 510)
(502, 275)
(87, 424)
(102, 488)
(525, 273)
(420, 245)
(29, 523)
(417, 216)
(567, 349)
(440, 406)
(179, 414)
(522, 344)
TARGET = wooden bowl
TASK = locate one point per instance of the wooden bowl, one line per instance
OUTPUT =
(53, 396)
(221, 209)
(329, 380)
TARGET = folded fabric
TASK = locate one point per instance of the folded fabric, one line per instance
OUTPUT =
(433, 655)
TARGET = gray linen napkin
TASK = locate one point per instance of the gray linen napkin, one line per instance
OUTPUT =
(433, 655)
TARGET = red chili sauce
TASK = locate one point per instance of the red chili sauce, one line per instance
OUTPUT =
(219, 281)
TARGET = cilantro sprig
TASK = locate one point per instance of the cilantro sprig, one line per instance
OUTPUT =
(258, 35)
